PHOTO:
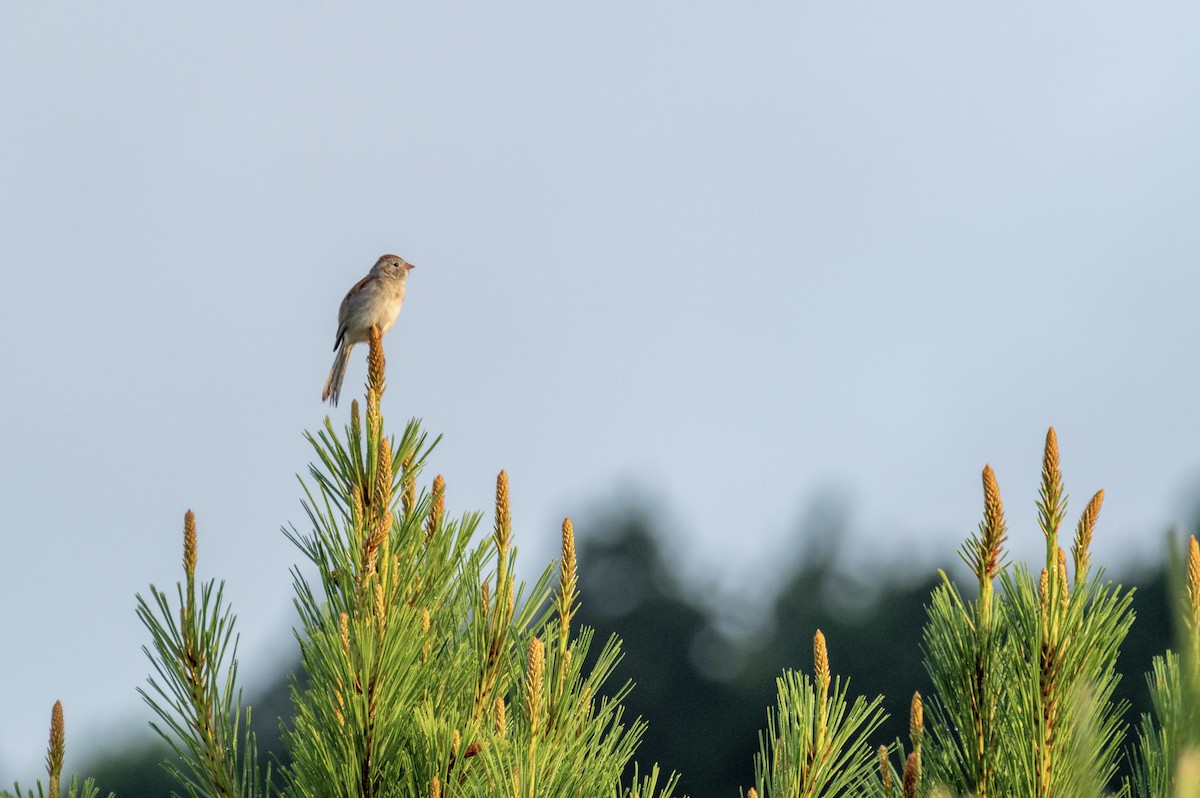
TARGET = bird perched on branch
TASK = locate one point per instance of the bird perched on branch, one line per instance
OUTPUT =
(374, 300)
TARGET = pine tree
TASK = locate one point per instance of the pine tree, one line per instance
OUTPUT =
(426, 668)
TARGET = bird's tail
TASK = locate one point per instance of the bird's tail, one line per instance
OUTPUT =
(333, 385)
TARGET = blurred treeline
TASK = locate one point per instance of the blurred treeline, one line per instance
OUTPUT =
(703, 686)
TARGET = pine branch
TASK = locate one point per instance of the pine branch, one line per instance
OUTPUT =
(195, 695)
(815, 743)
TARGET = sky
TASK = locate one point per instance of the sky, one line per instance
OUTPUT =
(722, 259)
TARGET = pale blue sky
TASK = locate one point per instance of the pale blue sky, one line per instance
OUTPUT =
(721, 255)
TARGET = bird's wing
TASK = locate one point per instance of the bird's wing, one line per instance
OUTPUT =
(353, 296)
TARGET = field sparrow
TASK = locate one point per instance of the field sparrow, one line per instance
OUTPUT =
(375, 299)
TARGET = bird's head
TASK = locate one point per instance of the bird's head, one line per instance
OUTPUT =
(393, 265)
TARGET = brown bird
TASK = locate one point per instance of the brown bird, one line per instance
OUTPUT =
(374, 300)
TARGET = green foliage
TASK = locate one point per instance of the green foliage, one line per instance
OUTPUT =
(816, 740)
(1062, 696)
(425, 668)
(76, 789)
(1156, 757)
(1025, 678)
(971, 670)
(1166, 761)
(195, 695)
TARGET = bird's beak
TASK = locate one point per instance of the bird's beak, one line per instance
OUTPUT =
(408, 266)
